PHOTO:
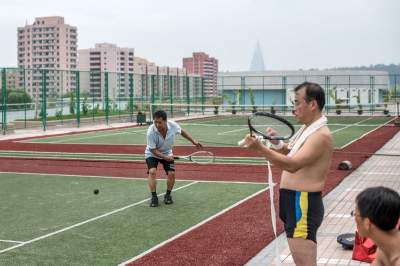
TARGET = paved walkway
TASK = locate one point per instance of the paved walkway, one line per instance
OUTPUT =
(376, 171)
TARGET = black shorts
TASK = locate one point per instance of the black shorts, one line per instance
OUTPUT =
(301, 212)
(152, 162)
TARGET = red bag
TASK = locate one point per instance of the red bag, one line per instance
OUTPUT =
(364, 249)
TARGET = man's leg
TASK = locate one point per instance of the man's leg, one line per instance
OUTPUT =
(304, 251)
(170, 186)
(152, 186)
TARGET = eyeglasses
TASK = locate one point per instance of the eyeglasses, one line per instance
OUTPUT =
(353, 213)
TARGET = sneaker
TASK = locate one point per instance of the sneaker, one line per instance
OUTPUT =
(154, 202)
(168, 199)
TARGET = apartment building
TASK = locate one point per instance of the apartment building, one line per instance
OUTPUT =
(106, 57)
(48, 45)
(207, 67)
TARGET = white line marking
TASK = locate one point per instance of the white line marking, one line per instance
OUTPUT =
(340, 129)
(234, 130)
(192, 228)
(11, 241)
(85, 222)
(70, 137)
(136, 178)
(363, 135)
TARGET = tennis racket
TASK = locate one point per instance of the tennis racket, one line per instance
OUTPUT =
(200, 157)
(259, 122)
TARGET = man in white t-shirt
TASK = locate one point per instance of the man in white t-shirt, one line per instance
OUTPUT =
(160, 139)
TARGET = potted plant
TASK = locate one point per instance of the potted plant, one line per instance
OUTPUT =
(359, 110)
(217, 101)
(231, 103)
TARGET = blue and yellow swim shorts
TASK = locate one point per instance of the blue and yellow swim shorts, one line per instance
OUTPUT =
(301, 212)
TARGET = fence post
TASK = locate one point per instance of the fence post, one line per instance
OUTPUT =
(187, 95)
(131, 96)
(107, 107)
(78, 98)
(44, 99)
(203, 98)
(4, 102)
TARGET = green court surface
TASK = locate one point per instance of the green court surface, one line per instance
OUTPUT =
(219, 131)
(58, 220)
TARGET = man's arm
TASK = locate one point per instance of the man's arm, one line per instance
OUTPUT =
(161, 155)
(311, 151)
(187, 136)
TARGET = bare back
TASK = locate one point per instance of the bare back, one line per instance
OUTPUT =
(316, 153)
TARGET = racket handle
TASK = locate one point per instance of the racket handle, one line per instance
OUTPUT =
(241, 143)
(176, 157)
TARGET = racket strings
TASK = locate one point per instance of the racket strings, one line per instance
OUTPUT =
(261, 123)
(202, 157)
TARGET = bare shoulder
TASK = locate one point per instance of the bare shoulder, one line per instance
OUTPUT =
(323, 136)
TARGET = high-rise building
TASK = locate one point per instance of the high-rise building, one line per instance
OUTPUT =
(207, 67)
(48, 45)
(106, 57)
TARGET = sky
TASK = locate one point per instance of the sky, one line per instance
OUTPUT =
(293, 34)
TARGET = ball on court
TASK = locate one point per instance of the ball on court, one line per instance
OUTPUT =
(96, 191)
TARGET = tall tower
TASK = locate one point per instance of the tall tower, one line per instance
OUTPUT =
(257, 62)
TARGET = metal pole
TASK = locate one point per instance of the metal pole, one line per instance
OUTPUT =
(44, 99)
(4, 102)
(106, 95)
(78, 99)
(131, 96)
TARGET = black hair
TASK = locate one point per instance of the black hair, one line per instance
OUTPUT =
(160, 114)
(313, 92)
(381, 205)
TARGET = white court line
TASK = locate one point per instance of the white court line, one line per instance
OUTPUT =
(192, 228)
(89, 137)
(137, 178)
(85, 222)
(230, 131)
(363, 135)
(340, 129)
(11, 241)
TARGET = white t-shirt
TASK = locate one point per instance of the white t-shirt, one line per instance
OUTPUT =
(156, 141)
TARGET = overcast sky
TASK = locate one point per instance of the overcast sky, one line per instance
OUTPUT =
(293, 34)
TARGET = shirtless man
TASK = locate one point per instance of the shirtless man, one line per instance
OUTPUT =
(377, 217)
(305, 167)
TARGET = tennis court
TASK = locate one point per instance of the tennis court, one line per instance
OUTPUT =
(218, 131)
(50, 214)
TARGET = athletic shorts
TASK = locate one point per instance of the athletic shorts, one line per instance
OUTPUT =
(152, 162)
(301, 213)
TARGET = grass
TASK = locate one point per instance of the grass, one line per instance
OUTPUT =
(36, 205)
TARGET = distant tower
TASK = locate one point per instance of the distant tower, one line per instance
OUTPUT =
(257, 63)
